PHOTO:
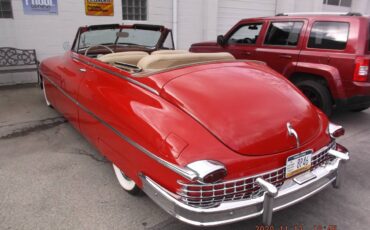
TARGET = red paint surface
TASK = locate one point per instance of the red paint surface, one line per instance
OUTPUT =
(234, 113)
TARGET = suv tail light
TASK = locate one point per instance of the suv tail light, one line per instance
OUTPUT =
(361, 69)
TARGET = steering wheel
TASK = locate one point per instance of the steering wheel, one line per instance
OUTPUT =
(87, 50)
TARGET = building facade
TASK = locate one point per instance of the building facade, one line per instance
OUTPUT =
(191, 20)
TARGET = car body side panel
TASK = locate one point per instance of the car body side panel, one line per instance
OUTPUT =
(115, 109)
(64, 72)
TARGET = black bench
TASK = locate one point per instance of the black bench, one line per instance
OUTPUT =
(14, 60)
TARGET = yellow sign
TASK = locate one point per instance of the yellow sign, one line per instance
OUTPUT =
(99, 7)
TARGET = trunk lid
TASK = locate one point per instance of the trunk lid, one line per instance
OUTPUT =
(247, 109)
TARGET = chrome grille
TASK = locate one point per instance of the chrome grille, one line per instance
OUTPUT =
(213, 194)
(210, 195)
(322, 157)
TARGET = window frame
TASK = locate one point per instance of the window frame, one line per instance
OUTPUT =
(133, 8)
(326, 50)
(285, 46)
(243, 25)
(11, 9)
(325, 2)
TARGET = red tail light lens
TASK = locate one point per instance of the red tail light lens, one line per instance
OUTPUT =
(208, 171)
(341, 148)
(361, 69)
(335, 131)
(215, 176)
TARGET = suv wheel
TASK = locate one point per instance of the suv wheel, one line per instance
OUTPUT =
(318, 94)
(359, 109)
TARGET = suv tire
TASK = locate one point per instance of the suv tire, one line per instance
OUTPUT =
(359, 109)
(318, 94)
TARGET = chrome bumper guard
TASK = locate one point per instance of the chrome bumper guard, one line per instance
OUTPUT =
(273, 199)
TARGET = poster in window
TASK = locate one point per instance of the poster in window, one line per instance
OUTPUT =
(40, 7)
(99, 7)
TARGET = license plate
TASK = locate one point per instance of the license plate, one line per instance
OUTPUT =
(298, 163)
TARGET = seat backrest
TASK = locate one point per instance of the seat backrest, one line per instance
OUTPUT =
(169, 52)
(129, 57)
(163, 61)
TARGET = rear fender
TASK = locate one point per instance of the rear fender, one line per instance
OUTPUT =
(329, 73)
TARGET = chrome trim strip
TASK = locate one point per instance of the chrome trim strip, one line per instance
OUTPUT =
(150, 89)
(187, 173)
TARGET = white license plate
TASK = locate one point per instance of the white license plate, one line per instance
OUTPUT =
(298, 163)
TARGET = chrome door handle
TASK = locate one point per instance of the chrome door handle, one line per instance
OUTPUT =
(83, 70)
(286, 56)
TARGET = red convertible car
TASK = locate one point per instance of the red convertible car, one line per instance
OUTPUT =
(212, 140)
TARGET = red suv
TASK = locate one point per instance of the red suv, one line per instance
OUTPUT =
(326, 56)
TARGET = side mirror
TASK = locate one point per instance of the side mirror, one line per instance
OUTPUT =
(221, 40)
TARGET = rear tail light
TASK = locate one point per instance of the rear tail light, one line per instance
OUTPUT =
(361, 69)
(341, 148)
(335, 131)
(214, 176)
(208, 171)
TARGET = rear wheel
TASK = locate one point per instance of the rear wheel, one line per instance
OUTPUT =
(126, 183)
(318, 94)
(359, 109)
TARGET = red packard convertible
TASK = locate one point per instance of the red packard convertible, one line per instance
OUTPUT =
(212, 140)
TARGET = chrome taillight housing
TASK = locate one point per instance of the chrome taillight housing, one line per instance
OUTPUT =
(208, 171)
(335, 131)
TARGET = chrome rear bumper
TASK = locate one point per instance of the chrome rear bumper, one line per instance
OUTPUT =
(290, 193)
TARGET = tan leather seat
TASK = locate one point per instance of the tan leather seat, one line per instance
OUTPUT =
(163, 61)
(169, 52)
(129, 57)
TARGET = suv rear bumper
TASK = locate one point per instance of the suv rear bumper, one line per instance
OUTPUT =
(356, 102)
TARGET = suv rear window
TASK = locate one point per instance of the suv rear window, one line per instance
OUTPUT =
(283, 33)
(329, 35)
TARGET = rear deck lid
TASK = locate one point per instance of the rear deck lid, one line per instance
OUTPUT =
(247, 109)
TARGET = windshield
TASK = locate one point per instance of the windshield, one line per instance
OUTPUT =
(126, 36)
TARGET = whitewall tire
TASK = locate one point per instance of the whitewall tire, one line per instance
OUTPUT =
(126, 183)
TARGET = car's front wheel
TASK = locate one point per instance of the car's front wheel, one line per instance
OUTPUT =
(126, 183)
(318, 94)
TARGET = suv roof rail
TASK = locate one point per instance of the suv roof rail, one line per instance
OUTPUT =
(321, 13)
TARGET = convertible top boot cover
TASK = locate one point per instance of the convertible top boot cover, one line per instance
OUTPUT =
(245, 108)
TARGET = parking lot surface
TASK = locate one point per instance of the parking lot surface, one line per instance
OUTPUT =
(52, 178)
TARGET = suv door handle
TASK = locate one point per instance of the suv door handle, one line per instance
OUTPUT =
(83, 70)
(285, 56)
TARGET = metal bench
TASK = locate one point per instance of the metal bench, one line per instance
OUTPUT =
(13, 60)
